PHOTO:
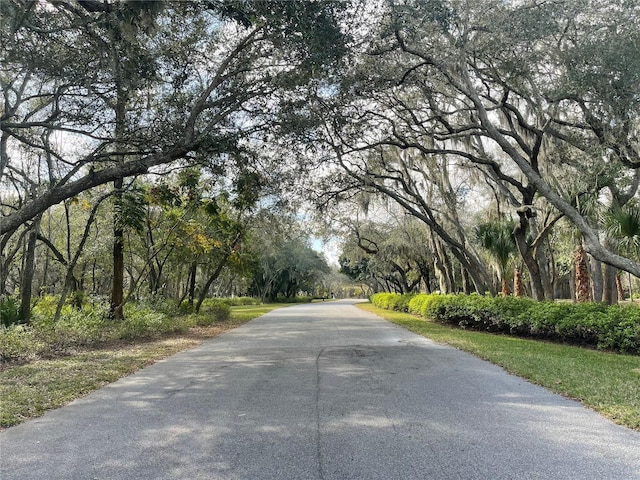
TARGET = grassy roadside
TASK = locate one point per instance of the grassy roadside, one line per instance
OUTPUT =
(605, 382)
(28, 391)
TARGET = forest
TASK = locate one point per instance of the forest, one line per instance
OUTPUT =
(176, 151)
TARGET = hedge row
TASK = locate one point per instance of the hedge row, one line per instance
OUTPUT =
(590, 324)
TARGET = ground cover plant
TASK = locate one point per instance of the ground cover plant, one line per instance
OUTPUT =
(606, 327)
(603, 381)
(36, 376)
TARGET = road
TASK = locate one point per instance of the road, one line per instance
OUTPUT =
(320, 391)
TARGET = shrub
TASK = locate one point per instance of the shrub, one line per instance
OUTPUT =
(75, 328)
(90, 326)
(18, 343)
(590, 324)
(45, 306)
(213, 310)
(142, 322)
(382, 300)
(416, 304)
(9, 311)
(303, 299)
(392, 301)
(622, 331)
(402, 303)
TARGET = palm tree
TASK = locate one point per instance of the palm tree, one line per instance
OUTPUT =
(518, 287)
(583, 292)
(497, 238)
(623, 226)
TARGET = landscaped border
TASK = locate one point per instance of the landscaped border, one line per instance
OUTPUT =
(596, 325)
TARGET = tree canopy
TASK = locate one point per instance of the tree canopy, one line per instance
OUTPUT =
(452, 145)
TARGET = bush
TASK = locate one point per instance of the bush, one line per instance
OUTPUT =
(591, 324)
(19, 343)
(213, 310)
(45, 306)
(622, 331)
(76, 328)
(382, 300)
(402, 303)
(9, 311)
(393, 301)
(91, 326)
(143, 322)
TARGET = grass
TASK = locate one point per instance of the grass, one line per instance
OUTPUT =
(244, 313)
(28, 391)
(608, 383)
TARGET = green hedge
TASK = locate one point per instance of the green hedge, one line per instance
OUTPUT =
(590, 324)
(393, 301)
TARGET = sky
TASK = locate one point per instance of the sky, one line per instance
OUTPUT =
(330, 249)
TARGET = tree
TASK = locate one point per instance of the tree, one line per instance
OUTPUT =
(253, 54)
(284, 263)
(623, 226)
(497, 238)
(98, 92)
(503, 87)
(391, 255)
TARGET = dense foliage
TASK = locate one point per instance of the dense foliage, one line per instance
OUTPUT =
(521, 117)
(131, 159)
(594, 324)
(89, 327)
(169, 150)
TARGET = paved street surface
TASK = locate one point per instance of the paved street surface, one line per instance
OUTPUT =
(320, 391)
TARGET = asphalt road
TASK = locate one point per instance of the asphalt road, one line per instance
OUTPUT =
(320, 391)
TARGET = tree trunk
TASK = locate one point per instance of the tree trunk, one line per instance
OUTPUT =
(582, 275)
(6, 257)
(505, 287)
(153, 280)
(597, 279)
(28, 272)
(518, 288)
(192, 283)
(211, 279)
(546, 271)
(440, 261)
(520, 236)
(466, 281)
(47, 259)
(610, 291)
(449, 270)
(620, 288)
(117, 287)
(425, 274)
(442, 278)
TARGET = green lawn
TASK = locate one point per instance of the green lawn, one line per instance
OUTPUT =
(244, 313)
(606, 382)
(27, 391)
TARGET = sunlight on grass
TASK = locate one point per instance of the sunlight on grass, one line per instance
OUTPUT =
(606, 382)
(249, 312)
